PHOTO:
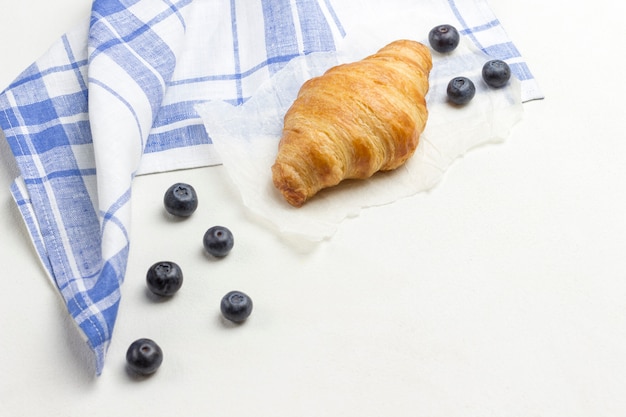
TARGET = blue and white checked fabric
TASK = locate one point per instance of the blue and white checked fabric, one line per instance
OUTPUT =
(124, 85)
(115, 98)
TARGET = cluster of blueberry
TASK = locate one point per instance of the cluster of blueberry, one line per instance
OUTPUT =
(165, 278)
(461, 90)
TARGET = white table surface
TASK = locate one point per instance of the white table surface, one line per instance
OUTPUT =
(502, 292)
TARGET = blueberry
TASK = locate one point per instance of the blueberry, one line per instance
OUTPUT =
(461, 90)
(444, 38)
(236, 306)
(164, 278)
(144, 356)
(180, 200)
(496, 73)
(218, 241)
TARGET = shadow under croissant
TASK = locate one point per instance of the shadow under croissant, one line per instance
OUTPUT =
(335, 192)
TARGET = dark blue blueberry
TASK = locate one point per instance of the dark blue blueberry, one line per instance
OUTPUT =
(444, 38)
(164, 278)
(218, 241)
(496, 73)
(461, 90)
(236, 306)
(180, 200)
(144, 356)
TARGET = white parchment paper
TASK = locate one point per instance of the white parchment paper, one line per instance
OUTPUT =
(246, 138)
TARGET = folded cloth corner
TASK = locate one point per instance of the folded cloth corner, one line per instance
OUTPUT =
(114, 98)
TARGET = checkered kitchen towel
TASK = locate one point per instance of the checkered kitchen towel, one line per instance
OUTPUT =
(115, 98)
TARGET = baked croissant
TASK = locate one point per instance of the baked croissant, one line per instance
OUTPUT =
(354, 120)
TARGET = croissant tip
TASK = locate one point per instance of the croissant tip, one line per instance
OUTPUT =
(295, 199)
(286, 180)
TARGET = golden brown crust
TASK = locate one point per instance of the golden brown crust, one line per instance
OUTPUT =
(353, 121)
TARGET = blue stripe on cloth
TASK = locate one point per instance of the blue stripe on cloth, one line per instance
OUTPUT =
(24, 204)
(316, 32)
(29, 76)
(502, 50)
(464, 26)
(233, 19)
(47, 138)
(118, 263)
(192, 135)
(480, 28)
(31, 91)
(79, 69)
(109, 215)
(280, 33)
(176, 112)
(81, 173)
(16, 143)
(79, 217)
(336, 20)
(50, 138)
(176, 11)
(9, 122)
(77, 220)
(79, 132)
(108, 8)
(282, 59)
(122, 100)
(95, 311)
(521, 71)
(39, 113)
(68, 105)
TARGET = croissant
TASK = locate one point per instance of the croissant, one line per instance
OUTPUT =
(353, 121)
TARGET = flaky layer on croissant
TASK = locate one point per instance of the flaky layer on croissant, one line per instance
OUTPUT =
(354, 120)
